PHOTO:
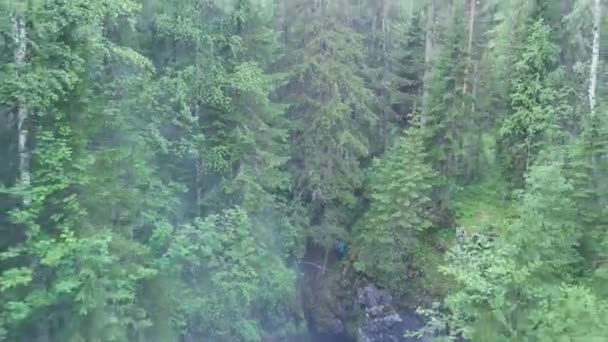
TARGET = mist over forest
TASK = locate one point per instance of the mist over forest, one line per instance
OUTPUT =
(303, 170)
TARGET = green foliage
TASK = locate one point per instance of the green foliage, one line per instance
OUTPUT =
(408, 62)
(482, 207)
(186, 156)
(230, 276)
(395, 70)
(103, 197)
(512, 286)
(534, 104)
(587, 169)
(329, 106)
(389, 234)
(73, 260)
(445, 121)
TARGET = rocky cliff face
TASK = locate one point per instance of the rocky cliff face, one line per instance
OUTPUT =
(382, 322)
(339, 306)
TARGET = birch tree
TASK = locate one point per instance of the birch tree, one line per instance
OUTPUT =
(472, 10)
(595, 55)
(20, 52)
(428, 54)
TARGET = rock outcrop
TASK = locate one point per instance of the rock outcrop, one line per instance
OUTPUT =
(382, 321)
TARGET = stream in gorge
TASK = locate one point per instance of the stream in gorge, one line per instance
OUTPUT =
(339, 307)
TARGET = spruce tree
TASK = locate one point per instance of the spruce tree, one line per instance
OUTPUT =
(183, 170)
(398, 219)
(531, 122)
(228, 271)
(446, 121)
(330, 113)
(395, 71)
(229, 140)
(515, 285)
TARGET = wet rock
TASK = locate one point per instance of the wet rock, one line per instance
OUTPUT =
(382, 322)
(335, 326)
(371, 296)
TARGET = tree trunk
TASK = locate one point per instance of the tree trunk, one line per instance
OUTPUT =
(428, 57)
(411, 9)
(595, 55)
(472, 10)
(41, 330)
(19, 37)
(325, 260)
(474, 90)
(385, 71)
(593, 75)
(198, 185)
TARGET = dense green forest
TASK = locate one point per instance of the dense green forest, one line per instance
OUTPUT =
(237, 170)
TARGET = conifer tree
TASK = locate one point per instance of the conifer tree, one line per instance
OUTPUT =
(447, 120)
(513, 287)
(231, 139)
(61, 278)
(532, 120)
(401, 190)
(330, 109)
(228, 271)
(395, 71)
(235, 170)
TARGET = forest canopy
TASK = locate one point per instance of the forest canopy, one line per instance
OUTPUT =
(208, 170)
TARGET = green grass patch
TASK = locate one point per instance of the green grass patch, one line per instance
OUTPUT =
(483, 206)
(433, 284)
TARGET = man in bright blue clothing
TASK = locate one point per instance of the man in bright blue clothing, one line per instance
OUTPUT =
(342, 249)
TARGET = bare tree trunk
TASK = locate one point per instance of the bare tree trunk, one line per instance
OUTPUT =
(385, 71)
(474, 90)
(411, 9)
(384, 9)
(325, 259)
(373, 40)
(472, 10)
(595, 55)
(280, 24)
(19, 37)
(479, 143)
(41, 330)
(593, 75)
(198, 185)
(428, 57)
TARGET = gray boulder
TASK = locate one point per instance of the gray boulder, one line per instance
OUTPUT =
(382, 322)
